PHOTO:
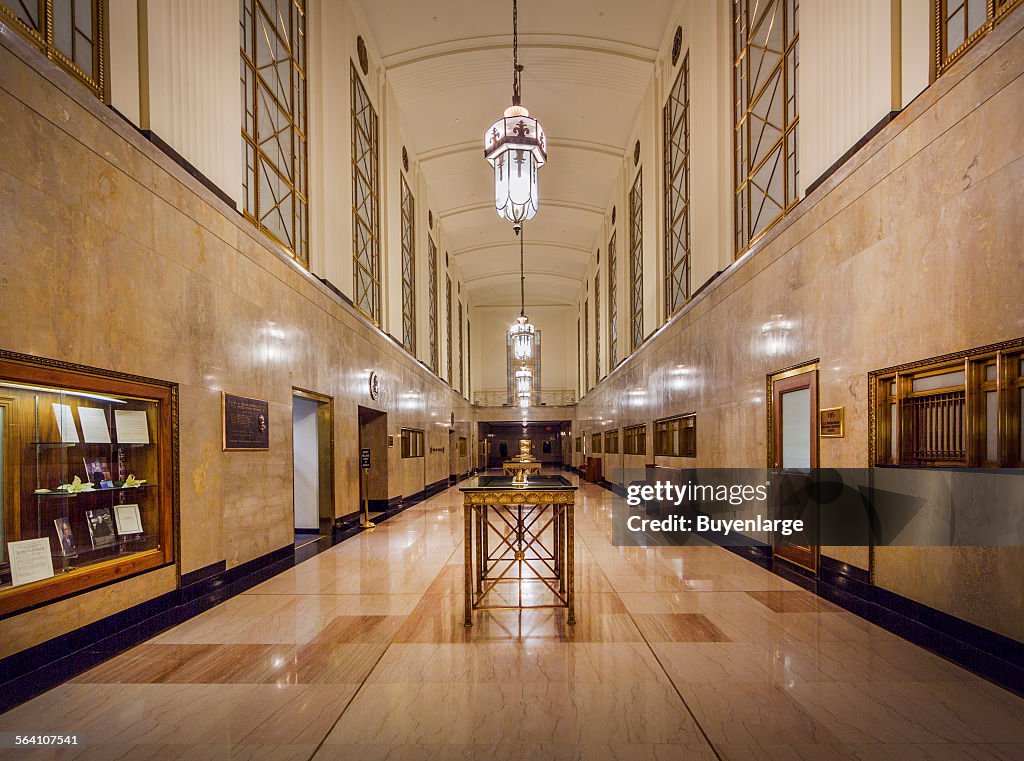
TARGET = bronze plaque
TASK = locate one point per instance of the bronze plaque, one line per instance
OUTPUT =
(246, 423)
(830, 423)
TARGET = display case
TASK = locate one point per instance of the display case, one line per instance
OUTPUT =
(86, 478)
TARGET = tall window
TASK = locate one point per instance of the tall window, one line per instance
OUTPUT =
(579, 359)
(586, 345)
(273, 79)
(365, 201)
(613, 306)
(597, 324)
(448, 337)
(408, 269)
(765, 36)
(676, 117)
(432, 302)
(69, 32)
(636, 262)
(961, 23)
(462, 356)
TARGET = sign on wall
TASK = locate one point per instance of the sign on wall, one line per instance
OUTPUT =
(246, 423)
(830, 423)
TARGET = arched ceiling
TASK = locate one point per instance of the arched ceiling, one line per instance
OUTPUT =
(588, 64)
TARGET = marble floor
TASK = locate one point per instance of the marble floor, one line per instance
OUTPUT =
(679, 653)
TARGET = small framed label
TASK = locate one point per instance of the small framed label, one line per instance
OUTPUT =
(364, 459)
(246, 423)
(128, 519)
(831, 423)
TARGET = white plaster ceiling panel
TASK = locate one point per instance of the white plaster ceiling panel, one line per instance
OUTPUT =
(588, 64)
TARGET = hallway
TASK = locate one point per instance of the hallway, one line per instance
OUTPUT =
(679, 653)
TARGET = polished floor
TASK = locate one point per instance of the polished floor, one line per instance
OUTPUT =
(679, 653)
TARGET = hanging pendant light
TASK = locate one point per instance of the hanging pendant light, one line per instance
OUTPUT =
(524, 381)
(516, 148)
(522, 332)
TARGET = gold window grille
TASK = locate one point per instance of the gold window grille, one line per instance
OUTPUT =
(634, 439)
(586, 344)
(611, 442)
(765, 115)
(613, 307)
(960, 410)
(462, 355)
(597, 324)
(676, 436)
(959, 24)
(595, 443)
(69, 32)
(408, 269)
(412, 443)
(273, 80)
(365, 201)
(636, 262)
(676, 118)
(432, 302)
(448, 337)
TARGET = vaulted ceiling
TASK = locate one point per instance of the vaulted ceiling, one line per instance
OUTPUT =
(588, 64)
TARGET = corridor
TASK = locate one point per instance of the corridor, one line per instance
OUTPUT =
(679, 653)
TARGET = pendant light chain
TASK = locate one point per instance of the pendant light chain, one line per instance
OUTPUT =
(516, 68)
(522, 278)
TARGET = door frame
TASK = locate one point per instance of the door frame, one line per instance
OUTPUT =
(325, 436)
(793, 378)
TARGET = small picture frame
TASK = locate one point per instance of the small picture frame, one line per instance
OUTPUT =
(128, 519)
(101, 527)
(65, 536)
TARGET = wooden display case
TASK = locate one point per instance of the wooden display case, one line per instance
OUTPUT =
(117, 434)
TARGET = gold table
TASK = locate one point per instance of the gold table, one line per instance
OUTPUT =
(530, 467)
(533, 523)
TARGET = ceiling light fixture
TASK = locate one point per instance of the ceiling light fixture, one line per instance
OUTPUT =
(516, 148)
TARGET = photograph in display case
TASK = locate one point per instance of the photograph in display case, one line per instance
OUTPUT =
(66, 536)
(128, 519)
(101, 527)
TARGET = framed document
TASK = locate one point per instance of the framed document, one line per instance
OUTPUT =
(132, 426)
(128, 519)
(30, 561)
(94, 425)
(246, 423)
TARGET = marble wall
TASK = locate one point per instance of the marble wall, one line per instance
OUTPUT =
(112, 256)
(911, 250)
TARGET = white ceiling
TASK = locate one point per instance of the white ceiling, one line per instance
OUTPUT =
(588, 64)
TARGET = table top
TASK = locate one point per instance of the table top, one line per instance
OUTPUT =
(505, 483)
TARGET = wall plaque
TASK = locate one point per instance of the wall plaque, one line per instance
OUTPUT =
(246, 423)
(374, 385)
(830, 423)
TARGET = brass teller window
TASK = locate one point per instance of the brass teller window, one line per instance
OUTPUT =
(70, 32)
(634, 439)
(611, 442)
(86, 479)
(961, 410)
(412, 443)
(961, 23)
(595, 443)
(676, 437)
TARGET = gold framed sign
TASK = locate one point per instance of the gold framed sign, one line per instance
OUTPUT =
(831, 423)
(246, 423)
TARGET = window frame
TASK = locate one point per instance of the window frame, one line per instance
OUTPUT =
(634, 439)
(408, 225)
(366, 205)
(676, 145)
(636, 262)
(412, 442)
(670, 439)
(611, 441)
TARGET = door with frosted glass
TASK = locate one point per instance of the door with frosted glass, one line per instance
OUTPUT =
(794, 460)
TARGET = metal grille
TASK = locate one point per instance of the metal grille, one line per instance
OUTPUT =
(765, 37)
(934, 428)
(408, 269)
(273, 82)
(597, 327)
(70, 32)
(676, 117)
(448, 337)
(365, 201)
(636, 262)
(462, 355)
(586, 344)
(432, 302)
(613, 307)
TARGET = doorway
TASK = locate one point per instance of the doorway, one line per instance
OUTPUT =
(793, 459)
(373, 435)
(312, 464)
(453, 456)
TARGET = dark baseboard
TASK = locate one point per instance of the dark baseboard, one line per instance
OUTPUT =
(181, 161)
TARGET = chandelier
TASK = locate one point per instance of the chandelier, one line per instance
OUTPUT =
(522, 332)
(524, 382)
(516, 148)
